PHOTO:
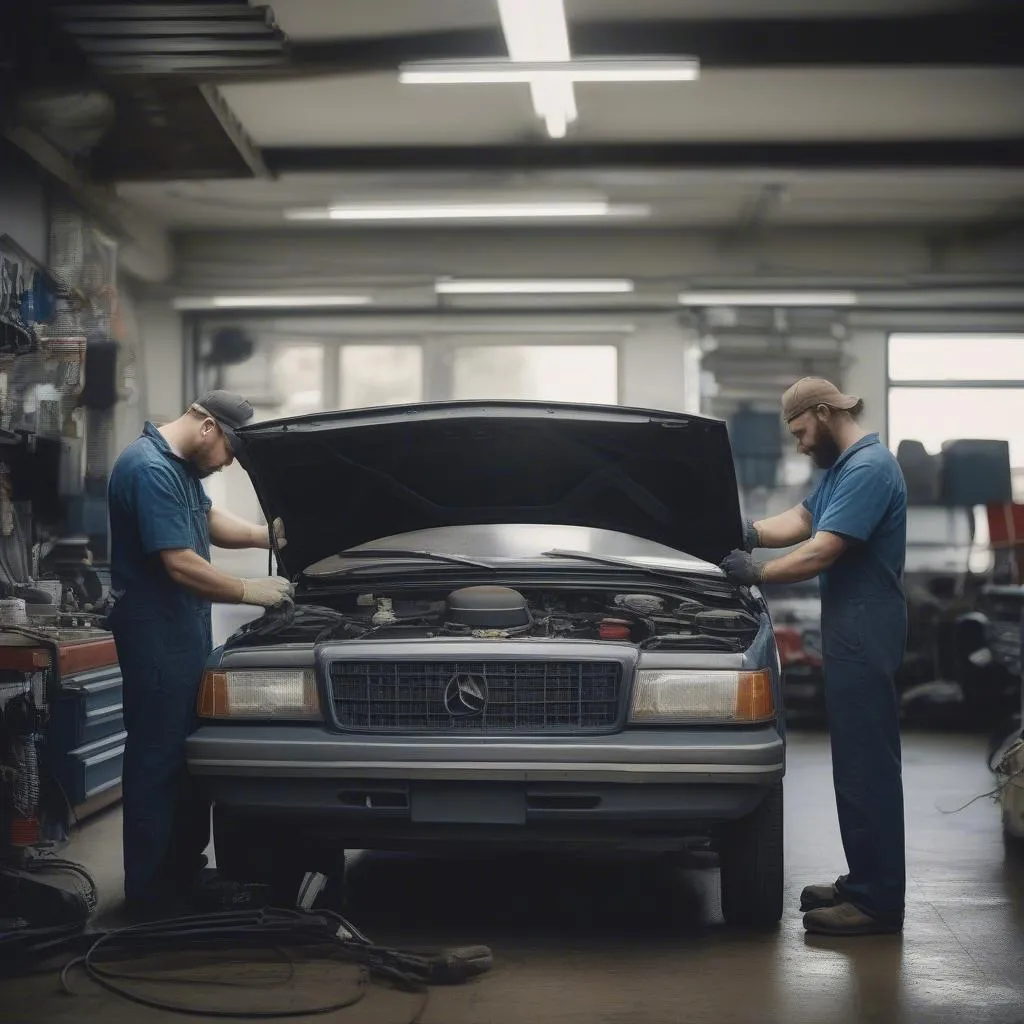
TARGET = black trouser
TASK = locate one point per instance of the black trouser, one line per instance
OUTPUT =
(166, 815)
(863, 647)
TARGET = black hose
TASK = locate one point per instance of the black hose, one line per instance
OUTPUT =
(274, 930)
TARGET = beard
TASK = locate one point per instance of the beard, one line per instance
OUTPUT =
(825, 453)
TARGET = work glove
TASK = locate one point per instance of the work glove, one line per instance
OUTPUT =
(751, 538)
(742, 568)
(277, 533)
(267, 591)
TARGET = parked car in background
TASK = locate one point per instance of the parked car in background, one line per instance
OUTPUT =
(796, 614)
(509, 630)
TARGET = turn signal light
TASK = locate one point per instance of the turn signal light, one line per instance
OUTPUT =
(754, 699)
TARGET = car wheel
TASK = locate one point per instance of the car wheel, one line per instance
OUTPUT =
(752, 861)
(249, 849)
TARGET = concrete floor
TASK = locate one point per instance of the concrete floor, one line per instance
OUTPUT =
(629, 943)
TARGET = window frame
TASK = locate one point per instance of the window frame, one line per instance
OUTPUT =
(948, 384)
(438, 341)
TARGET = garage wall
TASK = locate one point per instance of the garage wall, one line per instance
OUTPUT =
(866, 375)
(161, 354)
(24, 213)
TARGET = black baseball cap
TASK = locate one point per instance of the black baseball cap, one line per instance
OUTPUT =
(231, 411)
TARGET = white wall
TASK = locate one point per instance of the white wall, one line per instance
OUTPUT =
(659, 368)
(161, 354)
(866, 375)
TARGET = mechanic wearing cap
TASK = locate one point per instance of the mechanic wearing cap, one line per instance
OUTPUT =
(161, 526)
(854, 527)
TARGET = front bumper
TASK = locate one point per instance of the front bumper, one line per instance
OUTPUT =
(747, 756)
(395, 792)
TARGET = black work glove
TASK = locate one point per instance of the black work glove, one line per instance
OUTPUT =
(751, 538)
(741, 568)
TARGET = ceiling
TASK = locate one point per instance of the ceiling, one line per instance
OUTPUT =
(699, 199)
(806, 113)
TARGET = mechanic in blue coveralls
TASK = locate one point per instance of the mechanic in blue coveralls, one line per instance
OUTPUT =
(162, 525)
(854, 529)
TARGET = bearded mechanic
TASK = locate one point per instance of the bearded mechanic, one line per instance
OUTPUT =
(854, 529)
(162, 525)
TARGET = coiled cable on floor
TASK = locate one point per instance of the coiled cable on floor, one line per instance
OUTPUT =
(278, 931)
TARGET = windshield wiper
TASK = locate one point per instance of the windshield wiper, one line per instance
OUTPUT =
(708, 586)
(384, 554)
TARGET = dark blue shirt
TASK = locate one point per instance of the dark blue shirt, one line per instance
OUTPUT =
(863, 498)
(157, 503)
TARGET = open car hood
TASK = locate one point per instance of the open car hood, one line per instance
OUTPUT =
(342, 479)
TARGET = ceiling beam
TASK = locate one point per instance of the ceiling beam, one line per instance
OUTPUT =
(988, 34)
(979, 153)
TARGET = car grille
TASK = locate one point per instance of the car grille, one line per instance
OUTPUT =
(515, 696)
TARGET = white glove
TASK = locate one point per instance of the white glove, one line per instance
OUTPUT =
(267, 591)
(277, 532)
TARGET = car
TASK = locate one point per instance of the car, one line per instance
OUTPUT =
(796, 612)
(509, 631)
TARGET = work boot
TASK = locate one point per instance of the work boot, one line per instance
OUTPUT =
(817, 897)
(846, 919)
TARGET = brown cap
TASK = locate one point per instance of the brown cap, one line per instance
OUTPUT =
(810, 392)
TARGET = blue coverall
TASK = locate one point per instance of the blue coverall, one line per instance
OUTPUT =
(863, 498)
(162, 632)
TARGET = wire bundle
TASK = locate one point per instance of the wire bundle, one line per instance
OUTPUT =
(324, 936)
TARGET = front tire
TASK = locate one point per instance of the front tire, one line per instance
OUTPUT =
(752, 865)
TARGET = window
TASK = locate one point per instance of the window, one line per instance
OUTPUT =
(376, 375)
(956, 357)
(556, 373)
(934, 415)
(941, 388)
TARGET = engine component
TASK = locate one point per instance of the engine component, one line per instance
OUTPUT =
(488, 608)
(614, 629)
(385, 613)
(642, 604)
(725, 622)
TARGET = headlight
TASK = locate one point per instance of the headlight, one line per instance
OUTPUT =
(260, 693)
(681, 695)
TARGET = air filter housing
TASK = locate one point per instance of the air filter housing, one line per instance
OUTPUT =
(488, 608)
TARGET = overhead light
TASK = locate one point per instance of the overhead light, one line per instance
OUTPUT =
(271, 302)
(537, 31)
(744, 298)
(591, 286)
(580, 69)
(466, 211)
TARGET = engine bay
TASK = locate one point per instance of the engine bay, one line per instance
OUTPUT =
(655, 619)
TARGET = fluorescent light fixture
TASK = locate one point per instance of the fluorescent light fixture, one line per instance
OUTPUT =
(536, 30)
(745, 298)
(591, 286)
(465, 211)
(582, 69)
(271, 302)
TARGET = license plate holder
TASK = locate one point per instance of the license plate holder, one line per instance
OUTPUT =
(467, 804)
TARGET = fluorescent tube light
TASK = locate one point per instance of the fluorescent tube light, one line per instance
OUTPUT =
(271, 302)
(536, 30)
(582, 69)
(464, 211)
(745, 298)
(590, 286)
